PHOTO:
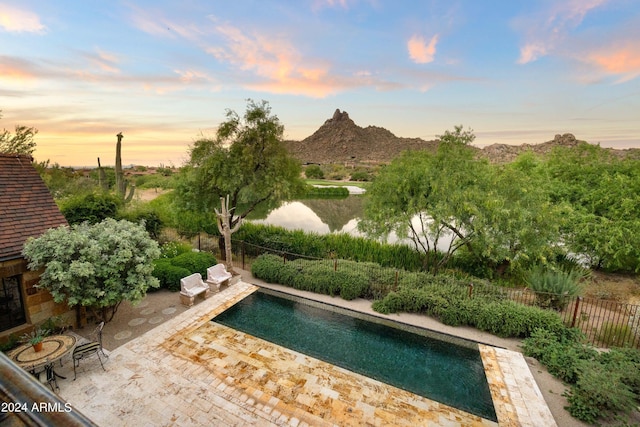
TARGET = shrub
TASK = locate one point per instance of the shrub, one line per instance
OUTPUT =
(195, 262)
(599, 392)
(169, 275)
(92, 208)
(314, 172)
(313, 276)
(603, 384)
(173, 249)
(554, 288)
(360, 175)
(169, 270)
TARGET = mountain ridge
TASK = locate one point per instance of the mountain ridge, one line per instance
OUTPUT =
(341, 140)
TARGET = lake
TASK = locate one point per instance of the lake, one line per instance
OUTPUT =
(324, 216)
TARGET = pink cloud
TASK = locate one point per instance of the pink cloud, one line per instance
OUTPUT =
(544, 31)
(282, 68)
(420, 51)
(623, 60)
(13, 19)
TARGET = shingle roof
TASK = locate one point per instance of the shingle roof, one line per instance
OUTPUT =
(26, 206)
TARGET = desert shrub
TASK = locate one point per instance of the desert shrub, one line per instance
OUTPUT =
(603, 384)
(314, 172)
(554, 288)
(360, 175)
(600, 392)
(561, 353)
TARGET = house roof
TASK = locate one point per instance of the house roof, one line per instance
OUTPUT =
(27, 208)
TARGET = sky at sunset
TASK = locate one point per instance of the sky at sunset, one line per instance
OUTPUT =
(164, 72)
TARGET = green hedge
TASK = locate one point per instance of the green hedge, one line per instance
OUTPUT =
(169, 271)
(485, 310)
(314, 276)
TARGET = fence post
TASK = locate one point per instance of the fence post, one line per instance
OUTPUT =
(242, 254)
(199, 247)
(284, 259)
(575, 312)
(395, 285)
(335, 265)
(470, 290)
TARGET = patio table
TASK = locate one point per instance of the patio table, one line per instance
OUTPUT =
(54, 348)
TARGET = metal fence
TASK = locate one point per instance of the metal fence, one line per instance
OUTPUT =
(605, 323)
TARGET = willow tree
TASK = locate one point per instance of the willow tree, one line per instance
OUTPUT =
(246, 162)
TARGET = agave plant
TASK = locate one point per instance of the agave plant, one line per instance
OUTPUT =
(554, 288)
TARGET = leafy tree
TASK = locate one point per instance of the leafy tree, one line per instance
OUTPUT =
(603, 195)
(450, 200)
(22, 142)
(246, 161)
(95, 266)
(427, 197)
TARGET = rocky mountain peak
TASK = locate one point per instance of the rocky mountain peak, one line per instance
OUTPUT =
(341, 140)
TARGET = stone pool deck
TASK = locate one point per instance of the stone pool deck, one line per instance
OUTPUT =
(191, 372)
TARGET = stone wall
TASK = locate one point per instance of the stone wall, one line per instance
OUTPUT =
(38, 303)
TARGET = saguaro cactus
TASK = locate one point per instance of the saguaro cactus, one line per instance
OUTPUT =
(121, 184)
(224, 226)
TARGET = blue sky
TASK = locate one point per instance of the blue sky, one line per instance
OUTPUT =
(164, 72)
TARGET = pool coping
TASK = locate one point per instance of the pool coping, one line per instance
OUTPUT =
(150, 380)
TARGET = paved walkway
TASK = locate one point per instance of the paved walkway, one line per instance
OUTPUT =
(188, 371)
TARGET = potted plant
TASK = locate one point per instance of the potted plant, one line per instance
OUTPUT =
(35, 337)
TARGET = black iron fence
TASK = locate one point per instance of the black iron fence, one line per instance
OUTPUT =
(606, 323)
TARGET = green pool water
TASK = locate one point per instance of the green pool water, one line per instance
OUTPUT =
(434, 368)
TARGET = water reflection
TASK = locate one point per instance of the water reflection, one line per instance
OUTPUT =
(324, 216)
(317, 215)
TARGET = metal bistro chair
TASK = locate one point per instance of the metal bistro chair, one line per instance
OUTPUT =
(89, 349)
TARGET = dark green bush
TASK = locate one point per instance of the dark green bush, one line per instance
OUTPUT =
(169, 275)
(152, 222)
(169, 271)
(314, 172)
(92, 207)
(195, 262)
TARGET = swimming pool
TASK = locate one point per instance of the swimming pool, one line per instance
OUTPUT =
(418, 361)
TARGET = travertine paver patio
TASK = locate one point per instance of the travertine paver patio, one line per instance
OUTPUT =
(191, 372)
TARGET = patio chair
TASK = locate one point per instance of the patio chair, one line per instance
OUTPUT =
(92, 348)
